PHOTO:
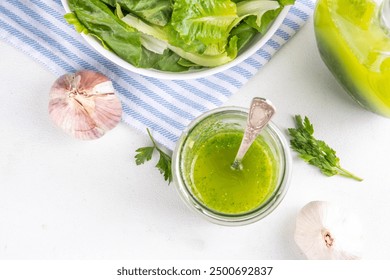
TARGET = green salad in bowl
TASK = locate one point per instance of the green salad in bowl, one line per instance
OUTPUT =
(176, 39)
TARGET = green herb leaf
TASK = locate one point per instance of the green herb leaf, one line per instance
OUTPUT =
(164, 163)
(144, 154)
(315, 152)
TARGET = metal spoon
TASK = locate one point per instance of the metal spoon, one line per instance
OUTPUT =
(260, 113)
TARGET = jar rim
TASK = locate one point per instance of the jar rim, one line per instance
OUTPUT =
(217, 217)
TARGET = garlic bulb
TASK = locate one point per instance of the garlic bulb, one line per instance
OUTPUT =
(325, 231)
(84, 104)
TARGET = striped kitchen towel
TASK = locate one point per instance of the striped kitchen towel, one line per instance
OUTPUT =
(38, 29)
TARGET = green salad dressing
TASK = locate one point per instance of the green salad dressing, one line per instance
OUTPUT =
(223, 189)
(356, 49)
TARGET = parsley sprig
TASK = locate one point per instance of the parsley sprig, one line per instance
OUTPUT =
(315, 152)
(164, 163)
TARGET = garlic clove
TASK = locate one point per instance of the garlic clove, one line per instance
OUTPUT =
(325, 231)
(84, 104)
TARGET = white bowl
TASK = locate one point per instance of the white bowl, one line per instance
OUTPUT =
(257, 42)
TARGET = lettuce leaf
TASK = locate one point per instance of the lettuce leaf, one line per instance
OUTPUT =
(266, 19)
(157, 46)
(166, 34)
(164, 37)
(256, 8)
(153, 11)
(286, 2)
(174, 35)
(119, 37)
(138, 24)
(205, 21)
(244, 33)
(210, 60)
(260, 13)
(73, 20)
(167, 61)
(102, 23)
(176, 40)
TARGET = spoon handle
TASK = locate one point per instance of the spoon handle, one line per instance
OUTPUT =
(260, 113)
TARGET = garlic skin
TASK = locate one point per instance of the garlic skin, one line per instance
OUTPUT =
(325, 231)
(84, 104)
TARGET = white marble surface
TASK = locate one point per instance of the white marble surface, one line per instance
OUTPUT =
(65, 199)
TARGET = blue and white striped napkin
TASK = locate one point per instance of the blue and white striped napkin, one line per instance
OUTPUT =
(38, 29)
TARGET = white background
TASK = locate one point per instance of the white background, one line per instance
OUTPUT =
(65, 199)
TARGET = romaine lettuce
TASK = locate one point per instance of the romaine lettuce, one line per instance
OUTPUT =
(158, 38)
(244, 33)
(206, 21)
(116, 35)
(153, 11)
(174, 35)
(100, 21)
(256, 8)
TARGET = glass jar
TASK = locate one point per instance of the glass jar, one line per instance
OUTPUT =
(213, 139)
(353, 41)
